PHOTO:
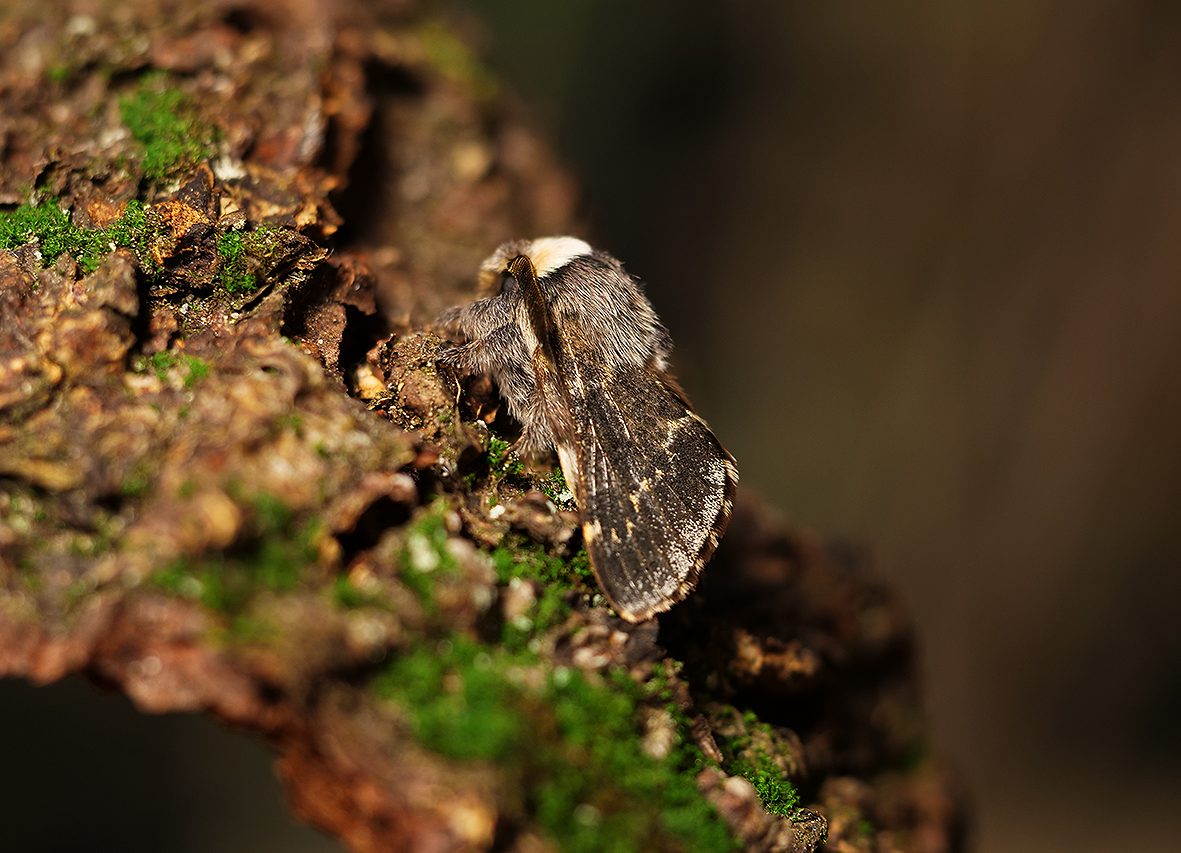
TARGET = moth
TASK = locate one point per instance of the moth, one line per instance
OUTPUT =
(581, 359)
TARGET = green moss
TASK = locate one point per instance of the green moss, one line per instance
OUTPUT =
(521, 558)
(272, 515)
(555, 488)
(164, 362)
(46, 223)
(557, 580)
(77, 592)
(572, 745)
(27, 572)
(779, 796)
(229, 247)
(475, 718)
(248, 629)
(424, 555)
(130, 231)
(94, 543)
(659, 688)
(161, 363)
(502, 462)
(89, 544)
(197, 369)
(246, 256)
(580, 566)
(291, 421)
(206, 581)
(164, 120)
(56, 235)
(136, 484)
(750, 761)
(233, 275)
(273, 558)
(346, 594)
(178, 578)
(284, 548)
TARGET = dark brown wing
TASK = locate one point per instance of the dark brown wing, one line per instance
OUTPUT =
(654, 487)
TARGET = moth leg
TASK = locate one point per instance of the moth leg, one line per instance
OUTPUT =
(535, 440)
(458, 356)
(477, 320)
(449, 322)
(485, 354)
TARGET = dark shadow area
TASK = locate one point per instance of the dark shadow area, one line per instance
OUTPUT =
(381, 515)
(366, 204)
(84, 771)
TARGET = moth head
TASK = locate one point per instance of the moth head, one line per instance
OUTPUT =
(545, 255)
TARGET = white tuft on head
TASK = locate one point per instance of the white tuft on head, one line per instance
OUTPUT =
(552, 253)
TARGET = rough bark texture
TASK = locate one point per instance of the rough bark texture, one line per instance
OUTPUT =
(233, 480)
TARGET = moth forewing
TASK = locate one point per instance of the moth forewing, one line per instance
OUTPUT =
(654, 487)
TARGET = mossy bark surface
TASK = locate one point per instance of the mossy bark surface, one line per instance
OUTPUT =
(233, 479)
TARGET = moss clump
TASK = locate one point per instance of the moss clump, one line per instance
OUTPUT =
(779, 796)
(130, 231)
(164, 120)
(555, 488)
(246, 257)
(572, 745)
(58, 72)
(557, 578)
(520, 558)
(750, 761)
(233, 274)
(502, 462)
(290, 421)
(475, 718)
(580, 567)
(348, 595)
(424, 555)
(274, 558)
(181, 578)
(163, 363)
(46, 223)
(247, 630)
(56, 235)
(137, 483)
(345, 594)
(196, 369)
(95, 543)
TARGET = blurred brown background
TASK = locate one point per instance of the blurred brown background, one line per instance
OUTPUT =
(923, 265)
